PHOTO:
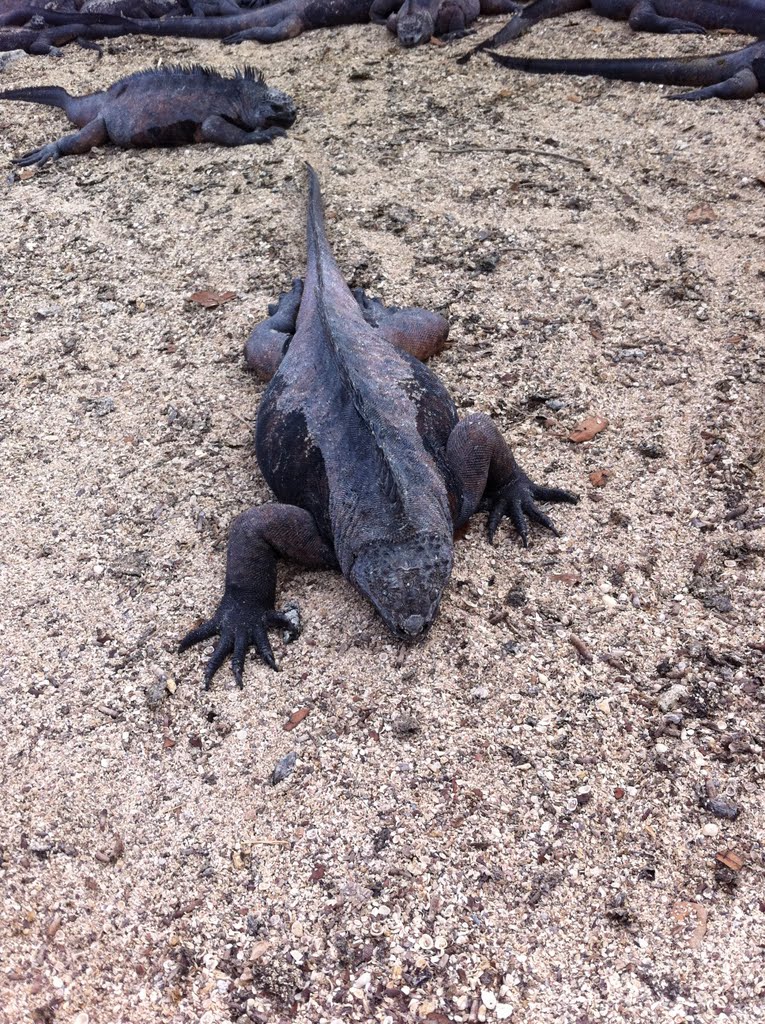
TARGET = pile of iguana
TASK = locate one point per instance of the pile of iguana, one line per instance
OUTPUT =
(413, 21)
(671, 16)
(727, 76)
(169, 106)
(372, 470)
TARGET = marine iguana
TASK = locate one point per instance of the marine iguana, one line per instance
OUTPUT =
(169, 106)
(372, 470)
(728, 76)
(418, 21)
(413, 21)
(50, 12)
(672, 16)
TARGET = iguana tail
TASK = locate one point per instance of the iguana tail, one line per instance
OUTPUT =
(328, 302)
(672, 71)
(50, 95)
(318, 246)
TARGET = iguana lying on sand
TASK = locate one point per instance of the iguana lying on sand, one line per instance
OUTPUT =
(169, 106)
(673, 16)
(727, 76)
(372, 470)
(414, 21)
(20, 12)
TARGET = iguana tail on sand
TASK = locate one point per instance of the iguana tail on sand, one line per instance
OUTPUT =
(728, 76)
(672, 16)
(361, 444)
(169, 106)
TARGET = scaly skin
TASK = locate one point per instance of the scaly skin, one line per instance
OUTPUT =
(372, 470)
(169, 106)
(737, 75)
(672, 16)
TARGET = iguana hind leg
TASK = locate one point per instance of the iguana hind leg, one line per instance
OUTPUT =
(93, 134)
(417, 331)
(484, 467)
(644, 18)
(740, 86)
(287, 28)
(270, 339)
(247, 608)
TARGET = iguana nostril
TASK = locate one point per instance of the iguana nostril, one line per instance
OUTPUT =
(413, 625)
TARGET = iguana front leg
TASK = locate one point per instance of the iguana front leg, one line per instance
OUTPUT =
(484, 467)
(285, 28)
(223, 133)
(247, 609)
(645, 18)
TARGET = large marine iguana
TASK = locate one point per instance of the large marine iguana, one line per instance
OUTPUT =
(672, 16)
(413, 21)
(728, 76)
(169, 106)
(361, 444)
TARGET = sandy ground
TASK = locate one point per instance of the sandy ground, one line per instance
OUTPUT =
(491, 825)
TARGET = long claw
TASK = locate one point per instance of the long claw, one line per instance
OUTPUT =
(196, 636)
(263, 647)
(538, 516)
(518, 520)
(495, 518)
(237, 659)
(554, 494)
(219, 655)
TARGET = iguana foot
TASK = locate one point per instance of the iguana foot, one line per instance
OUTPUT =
(241, 623)
(452, 37)
(690, 28)
(39, 156)
(516, 500)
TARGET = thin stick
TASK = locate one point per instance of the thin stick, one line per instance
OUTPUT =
(511, 149)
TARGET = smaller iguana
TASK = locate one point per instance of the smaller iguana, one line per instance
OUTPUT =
(372, 469)
(169, 106)
(728, 76)
(671, 16)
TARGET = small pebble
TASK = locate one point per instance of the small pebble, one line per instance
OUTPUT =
(488, 999)
(284, 768)
(710, 829)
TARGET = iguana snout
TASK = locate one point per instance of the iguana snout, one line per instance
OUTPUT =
(415, 27)
(280, 111)
(405, 581)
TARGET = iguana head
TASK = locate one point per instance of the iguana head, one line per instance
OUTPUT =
(277, 109)
(414, 26)
(270, 107)
(405, 580)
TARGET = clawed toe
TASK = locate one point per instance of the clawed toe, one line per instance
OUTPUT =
(240, 622)
(517, 500)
